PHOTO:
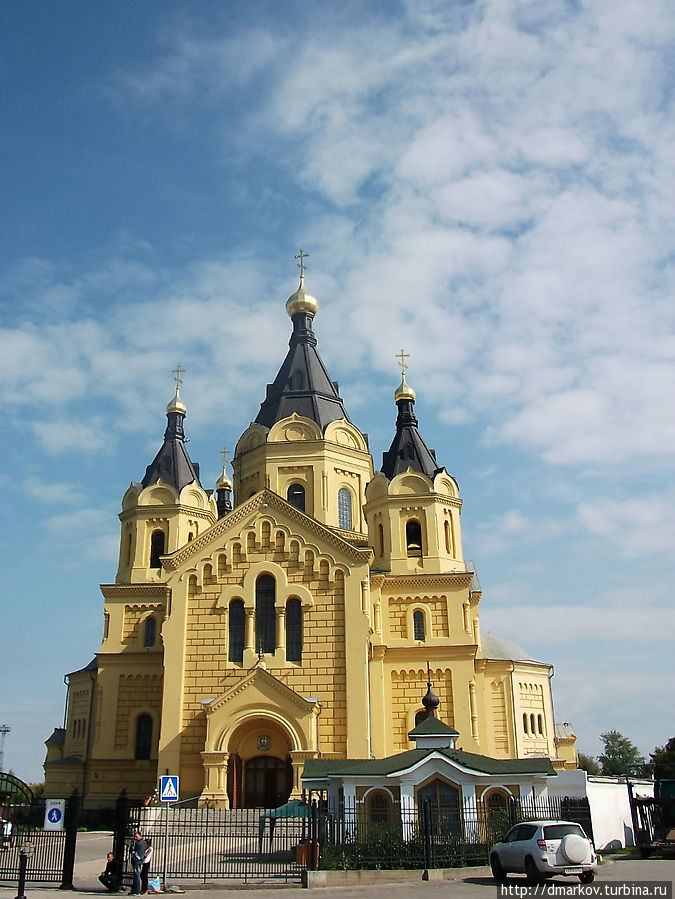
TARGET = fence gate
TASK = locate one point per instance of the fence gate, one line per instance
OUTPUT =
(218, 844)
(46, 848)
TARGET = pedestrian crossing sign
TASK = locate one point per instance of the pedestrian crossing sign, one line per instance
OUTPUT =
(168, 788)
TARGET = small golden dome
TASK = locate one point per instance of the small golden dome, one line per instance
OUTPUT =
(404, 391)
(177, 405)
(223, 482)
(302, 301)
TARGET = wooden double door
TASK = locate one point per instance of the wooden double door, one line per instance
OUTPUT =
(261, 782)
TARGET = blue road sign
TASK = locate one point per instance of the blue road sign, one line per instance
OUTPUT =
(54, 815)
(168, 788)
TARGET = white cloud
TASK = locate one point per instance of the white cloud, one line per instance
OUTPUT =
(639, 526)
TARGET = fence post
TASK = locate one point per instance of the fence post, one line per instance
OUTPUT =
(120, 832)
(71, 822)
(23, 865)
(313, 837)
(426, 833)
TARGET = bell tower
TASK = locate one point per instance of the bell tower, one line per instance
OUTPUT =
(302, 444)
(413, 505)
(168, 508)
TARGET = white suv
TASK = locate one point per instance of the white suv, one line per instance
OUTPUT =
(542, 849)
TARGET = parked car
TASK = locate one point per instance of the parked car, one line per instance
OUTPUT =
(541, 849)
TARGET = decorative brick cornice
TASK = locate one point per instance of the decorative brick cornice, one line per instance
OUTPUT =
(427, 581)
(248, 510)
(144, 594)
(165, 511)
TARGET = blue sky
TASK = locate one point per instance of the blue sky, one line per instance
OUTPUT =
(488, 184)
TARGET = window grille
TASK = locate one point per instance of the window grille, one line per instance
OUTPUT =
(345, 509)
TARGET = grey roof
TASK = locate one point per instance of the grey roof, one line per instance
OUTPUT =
(408, 449)
(172, 464)
(92, 666)
(564, 731)
(302, 384)
(319, 768)
(58, 737)
(494, 647)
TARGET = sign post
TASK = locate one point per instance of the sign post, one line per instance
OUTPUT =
(54, 813)
(168, 793)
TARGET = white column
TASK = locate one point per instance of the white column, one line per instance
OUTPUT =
(408, 809)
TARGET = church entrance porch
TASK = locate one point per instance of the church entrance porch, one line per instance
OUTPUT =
(259, 734)
(260, 773)
(267, 782)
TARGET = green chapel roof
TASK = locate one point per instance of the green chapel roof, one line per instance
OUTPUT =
(315, 768)
(433, 727)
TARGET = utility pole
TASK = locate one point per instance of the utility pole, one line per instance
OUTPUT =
(4, 730)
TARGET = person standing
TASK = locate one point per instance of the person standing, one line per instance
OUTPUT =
(145, 867)
(7, 838)
(138, 848)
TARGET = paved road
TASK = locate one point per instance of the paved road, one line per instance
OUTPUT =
(472, 884)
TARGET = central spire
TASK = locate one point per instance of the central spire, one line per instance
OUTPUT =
(302, 385)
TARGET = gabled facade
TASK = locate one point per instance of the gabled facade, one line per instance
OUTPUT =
(294, 621)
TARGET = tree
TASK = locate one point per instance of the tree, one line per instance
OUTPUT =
(588, 763)
(663, 759)
(619, 753)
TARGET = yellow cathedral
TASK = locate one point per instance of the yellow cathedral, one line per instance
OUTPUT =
(294, 613)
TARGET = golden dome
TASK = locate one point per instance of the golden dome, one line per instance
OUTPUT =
(302, 301)
(223, 482)
(404, 391)
(177, 405)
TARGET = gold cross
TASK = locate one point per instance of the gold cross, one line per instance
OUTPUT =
(403, 356)
(301, 265)
(177, 372)
(224, 451)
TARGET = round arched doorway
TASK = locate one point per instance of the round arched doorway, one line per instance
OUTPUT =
(259, 773)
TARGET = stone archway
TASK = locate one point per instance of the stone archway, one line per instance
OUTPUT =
(260, 768)
(258, 717)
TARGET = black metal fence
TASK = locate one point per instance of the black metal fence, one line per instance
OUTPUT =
(44, 848)
(212, 844)
(431, 835)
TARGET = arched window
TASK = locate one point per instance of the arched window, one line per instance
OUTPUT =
(380, 539)
(446, 528)
(265, 623)
(156, 548)
(296, 496)
(413, 538)
(540, 725)
(421, 716)
(418, 624)
(496, 809)
(532, 730)
(235, 651)
(378, 808)
(143, 737)
(444, 800)
(293, 630)
(150, 632)
(344, 509)
(526, 727)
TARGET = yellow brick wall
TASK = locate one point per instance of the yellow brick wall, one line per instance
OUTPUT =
(137, 693)
(322, 673)
(499, 718)
(408, 686)
(398, 610)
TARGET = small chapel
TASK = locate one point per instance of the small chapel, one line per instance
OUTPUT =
(295, 613)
